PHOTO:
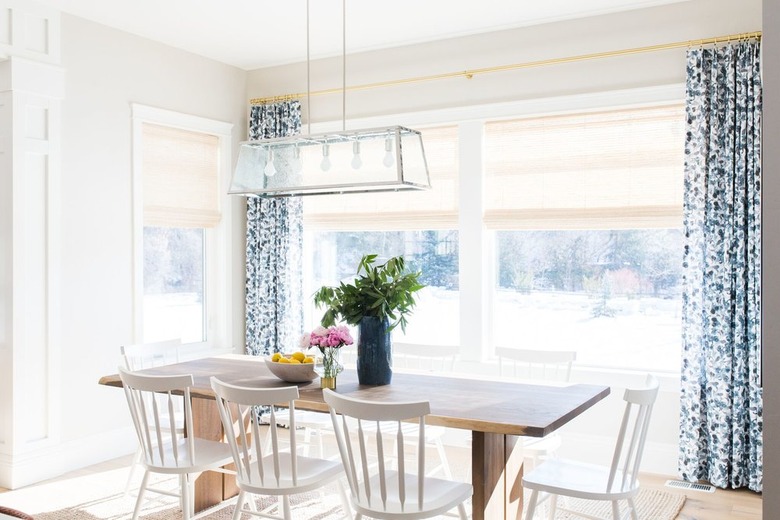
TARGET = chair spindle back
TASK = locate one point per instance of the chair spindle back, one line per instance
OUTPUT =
(239, 410)
(358, 448)
(151, 400)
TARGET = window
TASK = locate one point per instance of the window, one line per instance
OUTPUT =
(568, 237)
(180, 163)
(587, 213)
(422, 226)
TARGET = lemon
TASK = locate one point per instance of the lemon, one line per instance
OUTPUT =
(284, 360)
(276, 356)
(308, 359)
(294, 361)
(300, 356)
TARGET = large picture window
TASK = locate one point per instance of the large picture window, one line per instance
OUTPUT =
(587, 213)
(180, 161)
(421, 226)
(571, 230)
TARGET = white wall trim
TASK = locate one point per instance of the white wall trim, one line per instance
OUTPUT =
(26, 469)
(219, 331)
(637, 97)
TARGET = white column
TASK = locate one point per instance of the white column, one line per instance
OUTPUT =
(30, 94)
(475, 270)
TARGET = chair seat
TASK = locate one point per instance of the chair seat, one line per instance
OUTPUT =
(440, 496)
(207, 455)
(312, 474)
(303, 419)
(577, 479)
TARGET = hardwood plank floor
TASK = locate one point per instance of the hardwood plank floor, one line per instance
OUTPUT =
(724, 504)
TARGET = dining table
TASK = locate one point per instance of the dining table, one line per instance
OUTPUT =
(496, 411)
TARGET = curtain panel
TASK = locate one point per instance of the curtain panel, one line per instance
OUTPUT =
(274, 244)
(721, 400)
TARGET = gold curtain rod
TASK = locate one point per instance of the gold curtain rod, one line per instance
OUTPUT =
(468, 74)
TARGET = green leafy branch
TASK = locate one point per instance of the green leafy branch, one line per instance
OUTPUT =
(381, 291)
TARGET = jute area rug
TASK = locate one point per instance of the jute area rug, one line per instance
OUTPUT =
(651, 505)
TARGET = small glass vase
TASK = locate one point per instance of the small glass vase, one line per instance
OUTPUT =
(328, 367)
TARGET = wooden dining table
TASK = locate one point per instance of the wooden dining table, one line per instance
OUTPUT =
(496, 411)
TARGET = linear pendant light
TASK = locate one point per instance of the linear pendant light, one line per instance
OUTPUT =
(356, 161)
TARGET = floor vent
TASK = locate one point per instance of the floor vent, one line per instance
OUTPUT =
(679, 484)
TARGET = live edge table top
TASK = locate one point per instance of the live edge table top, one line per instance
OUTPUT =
(491, 406)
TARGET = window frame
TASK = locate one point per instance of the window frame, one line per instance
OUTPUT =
(476, 242)
(217, 255)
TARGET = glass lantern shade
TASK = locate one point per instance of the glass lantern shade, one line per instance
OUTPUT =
(379, 159)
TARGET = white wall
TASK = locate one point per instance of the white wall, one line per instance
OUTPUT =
(770, 281)
(91, 210)
(682, 21)
(543, 89)
(106, 71)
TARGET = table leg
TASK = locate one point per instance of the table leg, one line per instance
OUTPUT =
(211, 487)
(496, 476)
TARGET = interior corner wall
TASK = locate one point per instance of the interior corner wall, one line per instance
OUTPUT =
(105, 70)
(674, 22)
(770, 279)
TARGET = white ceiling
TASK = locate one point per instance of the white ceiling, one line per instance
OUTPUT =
(253, 34)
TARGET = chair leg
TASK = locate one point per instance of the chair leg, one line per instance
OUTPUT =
(553, 507)
(286, 509)
(344, 500)
(462, 512)
(529, 515)
(185, 497)
(141, 492)
(615, 510)
(133, 466)
(445, 465)
(632, 509)
(239, 505)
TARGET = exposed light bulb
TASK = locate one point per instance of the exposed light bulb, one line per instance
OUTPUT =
(270, 169)
(389, 158)
(325, 164)
(357, 162)
(295, 163)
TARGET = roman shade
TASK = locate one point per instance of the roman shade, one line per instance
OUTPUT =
(180, 177)
(600, 170)
(436, 208)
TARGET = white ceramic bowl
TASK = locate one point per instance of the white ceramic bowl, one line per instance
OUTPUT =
(302, 373)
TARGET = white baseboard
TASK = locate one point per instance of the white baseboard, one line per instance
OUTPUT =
(658, 458)
(53, 461)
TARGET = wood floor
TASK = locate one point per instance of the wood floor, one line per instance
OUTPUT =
(721, 505)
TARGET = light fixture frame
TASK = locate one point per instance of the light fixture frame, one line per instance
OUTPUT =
(252, 182)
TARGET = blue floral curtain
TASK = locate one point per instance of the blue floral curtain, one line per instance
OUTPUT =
(721, 400)
(274, 243)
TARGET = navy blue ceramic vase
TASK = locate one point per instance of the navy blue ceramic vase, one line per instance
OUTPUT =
(374, 351)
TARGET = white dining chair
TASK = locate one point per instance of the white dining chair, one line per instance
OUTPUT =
(531, 365)
(435, 359)
(261, 471)
(165, 449)
(377, 491)
(139, 356)
(438, 359)
(617, 482)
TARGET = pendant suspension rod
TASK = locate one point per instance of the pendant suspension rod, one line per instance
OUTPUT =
(468, 74)
(308, 72)
(343, 65)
